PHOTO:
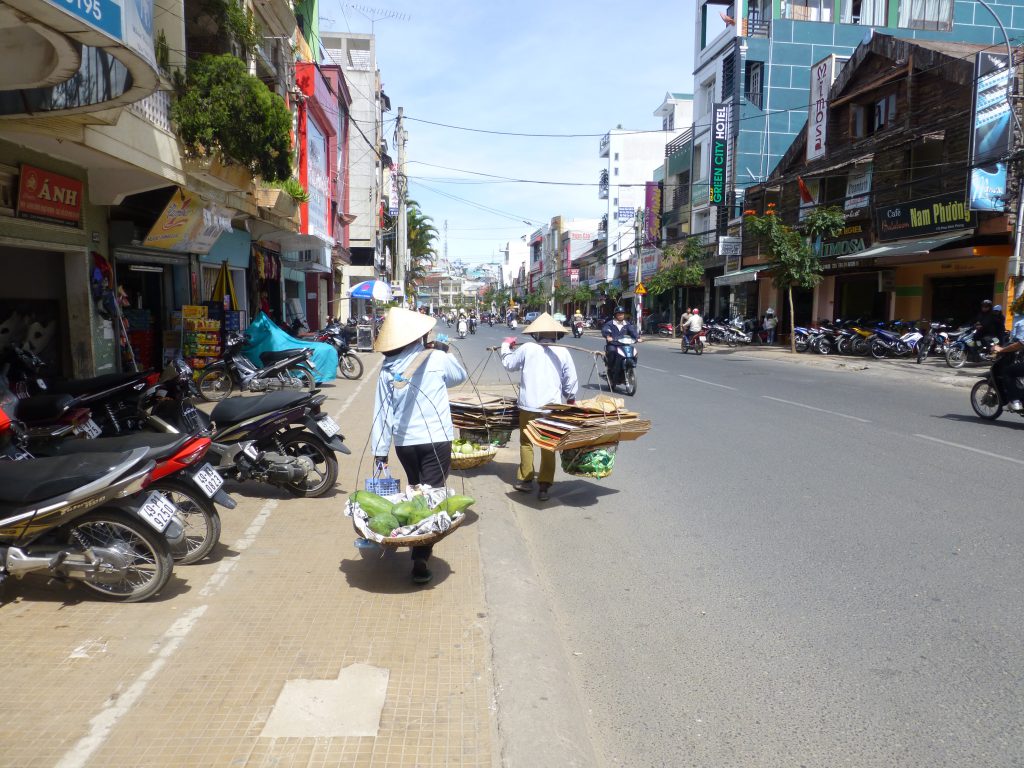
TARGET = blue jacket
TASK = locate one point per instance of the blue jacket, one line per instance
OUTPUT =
(417, 413)
(610, 329)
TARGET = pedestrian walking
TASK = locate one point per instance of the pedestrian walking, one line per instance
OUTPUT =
(548, 376)
(411, 407)
(770, 324)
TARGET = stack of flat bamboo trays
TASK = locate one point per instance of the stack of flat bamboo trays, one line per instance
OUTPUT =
(483, 411)
(601, 420)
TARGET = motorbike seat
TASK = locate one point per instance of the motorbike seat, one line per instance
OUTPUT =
(42, 407)
(24, 482)
(93, 385)
(236, 409)
(272, 356)
(161, 446)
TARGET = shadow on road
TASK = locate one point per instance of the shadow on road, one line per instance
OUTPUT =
(390, 573)
(972, 419)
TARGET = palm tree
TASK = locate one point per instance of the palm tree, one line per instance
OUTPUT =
(422, 236)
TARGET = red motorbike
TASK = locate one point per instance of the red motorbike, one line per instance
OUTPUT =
(696, 342)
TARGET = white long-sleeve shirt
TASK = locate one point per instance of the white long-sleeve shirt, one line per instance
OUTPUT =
(549, 374)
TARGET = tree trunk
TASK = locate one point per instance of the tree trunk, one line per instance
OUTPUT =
(672, 318)
(792, 322)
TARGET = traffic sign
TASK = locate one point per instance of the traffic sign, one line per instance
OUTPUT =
(640, 290)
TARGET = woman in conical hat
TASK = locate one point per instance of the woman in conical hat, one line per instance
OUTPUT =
(548, 376)
(411, 407)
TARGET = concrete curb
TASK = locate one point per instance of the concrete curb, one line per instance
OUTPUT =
(541, 720)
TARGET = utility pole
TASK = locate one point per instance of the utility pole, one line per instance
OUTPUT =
(641, 223)
(402, 260)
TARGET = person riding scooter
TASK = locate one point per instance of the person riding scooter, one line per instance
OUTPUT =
(577, 324)
(694, 325)
(615, 329)
(462, 327)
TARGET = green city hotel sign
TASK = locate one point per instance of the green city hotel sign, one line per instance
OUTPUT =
(719, 154)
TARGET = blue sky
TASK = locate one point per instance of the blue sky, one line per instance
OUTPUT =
(551, 67)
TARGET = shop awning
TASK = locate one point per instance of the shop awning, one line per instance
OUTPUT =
(906, 247)
(747, 275)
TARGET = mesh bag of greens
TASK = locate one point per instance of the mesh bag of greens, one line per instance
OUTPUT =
(592, 461)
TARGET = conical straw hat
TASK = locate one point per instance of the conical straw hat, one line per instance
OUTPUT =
(402, 326)
(545, 324)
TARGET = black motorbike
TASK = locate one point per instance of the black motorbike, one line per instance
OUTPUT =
(577, 328)
(349, 364)
(969, 348)
(621, 365)
(281, 438)
(988, 398)
(285, 369)
(85, 518)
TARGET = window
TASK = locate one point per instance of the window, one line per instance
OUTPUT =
(926, 14)
(615, 202)
(869, 13)
(807, 10)
(926, 168)
(698, 161)
(668, 123)
(616, 157)
(754, 77)
(616, 172)
(870, 117)
(707, 96)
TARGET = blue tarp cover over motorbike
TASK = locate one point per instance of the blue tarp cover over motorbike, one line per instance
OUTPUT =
(268, 337)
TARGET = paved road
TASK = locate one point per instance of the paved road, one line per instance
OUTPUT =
(796, 567)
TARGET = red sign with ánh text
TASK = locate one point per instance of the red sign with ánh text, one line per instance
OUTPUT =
(48, 196)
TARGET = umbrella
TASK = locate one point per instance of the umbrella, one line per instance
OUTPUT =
(371, 289)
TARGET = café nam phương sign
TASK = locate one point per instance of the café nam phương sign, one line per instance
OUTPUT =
(944, 213)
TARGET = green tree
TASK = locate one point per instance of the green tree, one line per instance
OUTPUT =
(582, 296)
(221, 108)
(794, 262)
(681, 265)
(422, 238)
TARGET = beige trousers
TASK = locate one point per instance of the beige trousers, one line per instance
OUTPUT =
(547, 458)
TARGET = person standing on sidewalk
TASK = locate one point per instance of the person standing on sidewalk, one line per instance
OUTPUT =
(770, 324)
(548, 376)
(411, 407)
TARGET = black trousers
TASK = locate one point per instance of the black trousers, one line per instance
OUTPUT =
(1008, 371)
(428, 463)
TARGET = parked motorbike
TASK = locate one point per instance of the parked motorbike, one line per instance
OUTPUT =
(624, 373)
(86, 518)
(968, 349)
(349, 364)
(281, 438)
(285, 369)
(664, 329)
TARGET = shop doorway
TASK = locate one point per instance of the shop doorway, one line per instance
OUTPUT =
(33, 311)
(803, 308)
(858, 297)
(959, 298)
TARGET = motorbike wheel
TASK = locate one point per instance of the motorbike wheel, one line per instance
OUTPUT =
(198, 516)
(922, 350)
(985, 400)
(861, 346)
(684, 346)
(956, 357)
(324, 475)
(630, 381)
(823, 347)
(801, 344)
(303, 375)
(877, 349)
(215, 384)
(144, 556)
(844, 346)
(350, 366)
(698, 346)
(902, 349)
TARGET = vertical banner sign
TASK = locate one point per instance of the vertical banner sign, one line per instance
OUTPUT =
(719, 154)
(990, 136)
(822, 75)
(652, 201)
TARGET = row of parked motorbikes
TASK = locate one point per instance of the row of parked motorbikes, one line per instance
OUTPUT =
(109, 481)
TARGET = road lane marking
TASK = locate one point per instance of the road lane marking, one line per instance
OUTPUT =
(968, 448)
(116, 707)
(649, 368)
(709, 383)
(819, 410)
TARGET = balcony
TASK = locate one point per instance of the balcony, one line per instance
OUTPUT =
(603, 186)
(156, 108)
(756, 26)
(606, 142)
(678, 143)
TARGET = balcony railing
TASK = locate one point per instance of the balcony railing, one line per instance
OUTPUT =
(606, 142)
(756, 26)
(603, 186)
(679, 142)
(156, 108)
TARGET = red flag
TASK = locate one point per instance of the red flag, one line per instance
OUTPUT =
(805, 193)
(729, 20)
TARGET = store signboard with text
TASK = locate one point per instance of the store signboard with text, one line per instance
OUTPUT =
(990, 134)
(719, 153)
(47, 196)
(318, 184)
(186, 225)
(822, 75)
(943, 213)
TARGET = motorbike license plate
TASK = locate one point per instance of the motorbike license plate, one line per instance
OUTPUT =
(251, 452)
(90, 429)
(208, 480)
(158, 511)
(328, 426)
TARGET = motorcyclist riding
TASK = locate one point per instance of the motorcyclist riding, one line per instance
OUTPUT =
(694, 325)
(614, 330)
(577, 324)
(988, 325)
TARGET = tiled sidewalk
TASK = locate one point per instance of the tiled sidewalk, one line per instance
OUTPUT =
(191, 679)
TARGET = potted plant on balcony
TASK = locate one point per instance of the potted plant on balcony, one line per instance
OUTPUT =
(231, 126)
(282, 197)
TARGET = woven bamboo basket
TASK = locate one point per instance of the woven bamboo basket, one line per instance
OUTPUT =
(473, 460)
(397, 542)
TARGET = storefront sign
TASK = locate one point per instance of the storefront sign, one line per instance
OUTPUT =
(625, 213)
(990, 137)
(186, 225)
(317, 184)
(730, 246)
(719, 153)
(858, 189)
(104, 15)
(822, 75)
(651, 260)
(850, 241)
(652, 203)
(923, 217)
(733, 262)
(47, 196)
(574, 277)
